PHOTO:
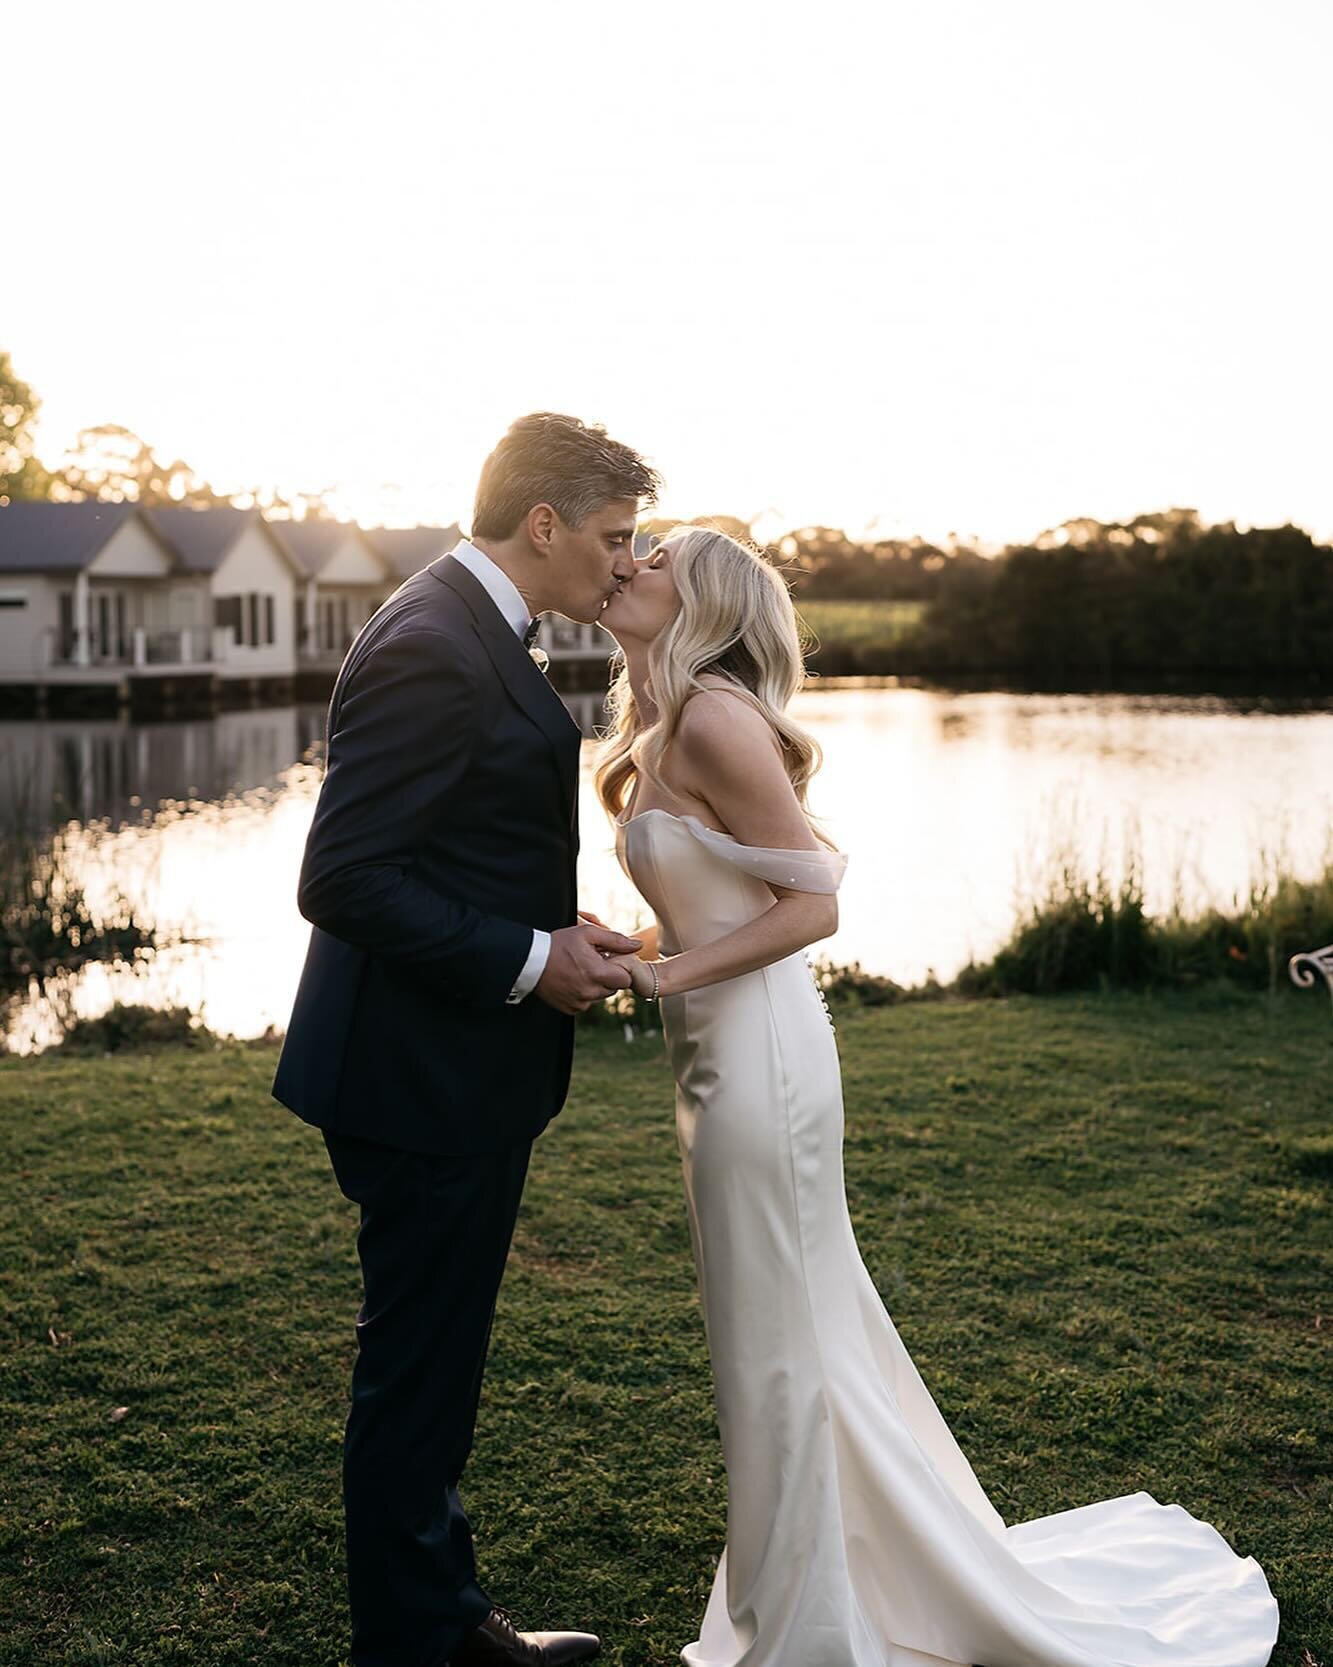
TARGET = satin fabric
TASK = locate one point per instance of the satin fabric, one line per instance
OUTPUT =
(857, 1532)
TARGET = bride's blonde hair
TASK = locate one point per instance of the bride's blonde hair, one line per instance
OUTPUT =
(735, 621)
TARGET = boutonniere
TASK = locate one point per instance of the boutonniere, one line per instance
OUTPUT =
(540, 658)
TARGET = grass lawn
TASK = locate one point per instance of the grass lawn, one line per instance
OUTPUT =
(859, 627)
(1101, 1225)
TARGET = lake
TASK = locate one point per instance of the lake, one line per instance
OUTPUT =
(953, 807)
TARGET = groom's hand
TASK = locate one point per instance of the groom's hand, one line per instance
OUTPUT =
(578, 972)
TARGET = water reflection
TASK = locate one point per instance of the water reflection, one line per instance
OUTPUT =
(113, 769)
(951, 805)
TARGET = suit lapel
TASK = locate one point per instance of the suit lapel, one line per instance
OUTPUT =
(517, 669)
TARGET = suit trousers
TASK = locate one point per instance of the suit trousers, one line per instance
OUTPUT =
(434, 1235)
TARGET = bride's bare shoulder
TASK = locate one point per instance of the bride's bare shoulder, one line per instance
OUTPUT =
(717, 719)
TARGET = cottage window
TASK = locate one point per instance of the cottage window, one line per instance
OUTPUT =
(66, 651)
(108, 625)
(227, 612)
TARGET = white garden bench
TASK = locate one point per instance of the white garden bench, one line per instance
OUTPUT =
(1303, 967)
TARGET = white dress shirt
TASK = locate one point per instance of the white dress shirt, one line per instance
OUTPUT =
(505, 594)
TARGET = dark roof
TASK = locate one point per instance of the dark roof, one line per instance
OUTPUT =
(200, 538)
(311, 543)
(56, 538)
(408, 549)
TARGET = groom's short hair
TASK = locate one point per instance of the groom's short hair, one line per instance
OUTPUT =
(549, 459)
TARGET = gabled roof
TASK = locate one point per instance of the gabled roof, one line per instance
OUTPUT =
(42, 537)
(311, 544)
(408, 549)
(201, 538)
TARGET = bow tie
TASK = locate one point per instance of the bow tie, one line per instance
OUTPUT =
(530, 635)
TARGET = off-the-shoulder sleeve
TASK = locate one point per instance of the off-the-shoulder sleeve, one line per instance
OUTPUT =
(800, 870)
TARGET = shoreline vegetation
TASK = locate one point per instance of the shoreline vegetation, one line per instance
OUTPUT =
(49, 931)
(1082, 933)
(1079, 932)
(1099, 1222)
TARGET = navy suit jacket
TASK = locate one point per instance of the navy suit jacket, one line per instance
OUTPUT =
(446, 829)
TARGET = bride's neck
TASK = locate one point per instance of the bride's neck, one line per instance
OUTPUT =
(636, 664)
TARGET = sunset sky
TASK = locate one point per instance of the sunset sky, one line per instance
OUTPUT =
(954, 265)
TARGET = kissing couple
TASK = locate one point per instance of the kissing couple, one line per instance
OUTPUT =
(431, 1041)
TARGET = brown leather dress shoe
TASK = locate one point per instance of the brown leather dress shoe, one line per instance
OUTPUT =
(495, 1643)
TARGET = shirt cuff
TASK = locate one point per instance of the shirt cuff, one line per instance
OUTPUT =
(533, 967)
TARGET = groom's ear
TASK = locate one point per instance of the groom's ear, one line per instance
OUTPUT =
(542, 523)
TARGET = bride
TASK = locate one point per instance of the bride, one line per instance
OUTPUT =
(857, 1533)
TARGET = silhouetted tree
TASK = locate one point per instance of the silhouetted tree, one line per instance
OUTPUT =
(1090, 602)
(21, 474)
(114, 465)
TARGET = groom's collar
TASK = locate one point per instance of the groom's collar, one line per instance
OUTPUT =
(496, 582)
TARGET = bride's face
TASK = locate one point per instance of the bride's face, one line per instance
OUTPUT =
(646, 603)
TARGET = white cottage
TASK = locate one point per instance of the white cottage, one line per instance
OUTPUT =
(91, 590)
(408, 549)
(344, 580)
(252, 586)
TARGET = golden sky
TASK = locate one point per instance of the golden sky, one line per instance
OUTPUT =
(973, 265)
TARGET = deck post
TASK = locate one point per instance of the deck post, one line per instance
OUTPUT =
(82, 646)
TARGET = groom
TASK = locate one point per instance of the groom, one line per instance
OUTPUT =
(433, 1028)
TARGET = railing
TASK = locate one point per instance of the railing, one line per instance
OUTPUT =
(138, 649)
(312, 655)
(567, 639)
(191, 645)
(61, 648)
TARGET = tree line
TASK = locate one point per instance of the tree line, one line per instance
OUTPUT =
(1093, 602)
(113, 464)
(1163, 593)
(1085, 602)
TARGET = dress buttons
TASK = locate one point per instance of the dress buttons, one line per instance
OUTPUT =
(823, 999)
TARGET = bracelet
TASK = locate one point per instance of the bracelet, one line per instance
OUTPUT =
(657, 982)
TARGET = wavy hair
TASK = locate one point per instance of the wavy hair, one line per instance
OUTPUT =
(735, 621)
(548, 458)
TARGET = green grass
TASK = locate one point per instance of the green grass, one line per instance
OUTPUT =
(1101, 1225)
(856, 629)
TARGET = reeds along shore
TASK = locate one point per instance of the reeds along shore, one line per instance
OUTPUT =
(1076, 930)
(1082, 932)
(1085, 933)
(49, 931)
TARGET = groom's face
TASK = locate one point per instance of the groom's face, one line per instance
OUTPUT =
(590, 563)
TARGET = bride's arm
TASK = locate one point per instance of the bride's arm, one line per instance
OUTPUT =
(728, 756)
(649, 950)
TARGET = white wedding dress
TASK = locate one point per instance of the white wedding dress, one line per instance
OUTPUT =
(857, 1533)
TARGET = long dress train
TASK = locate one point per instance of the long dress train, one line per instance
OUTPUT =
(857, 1532)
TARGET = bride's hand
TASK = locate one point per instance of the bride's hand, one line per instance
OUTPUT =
(641, 980)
